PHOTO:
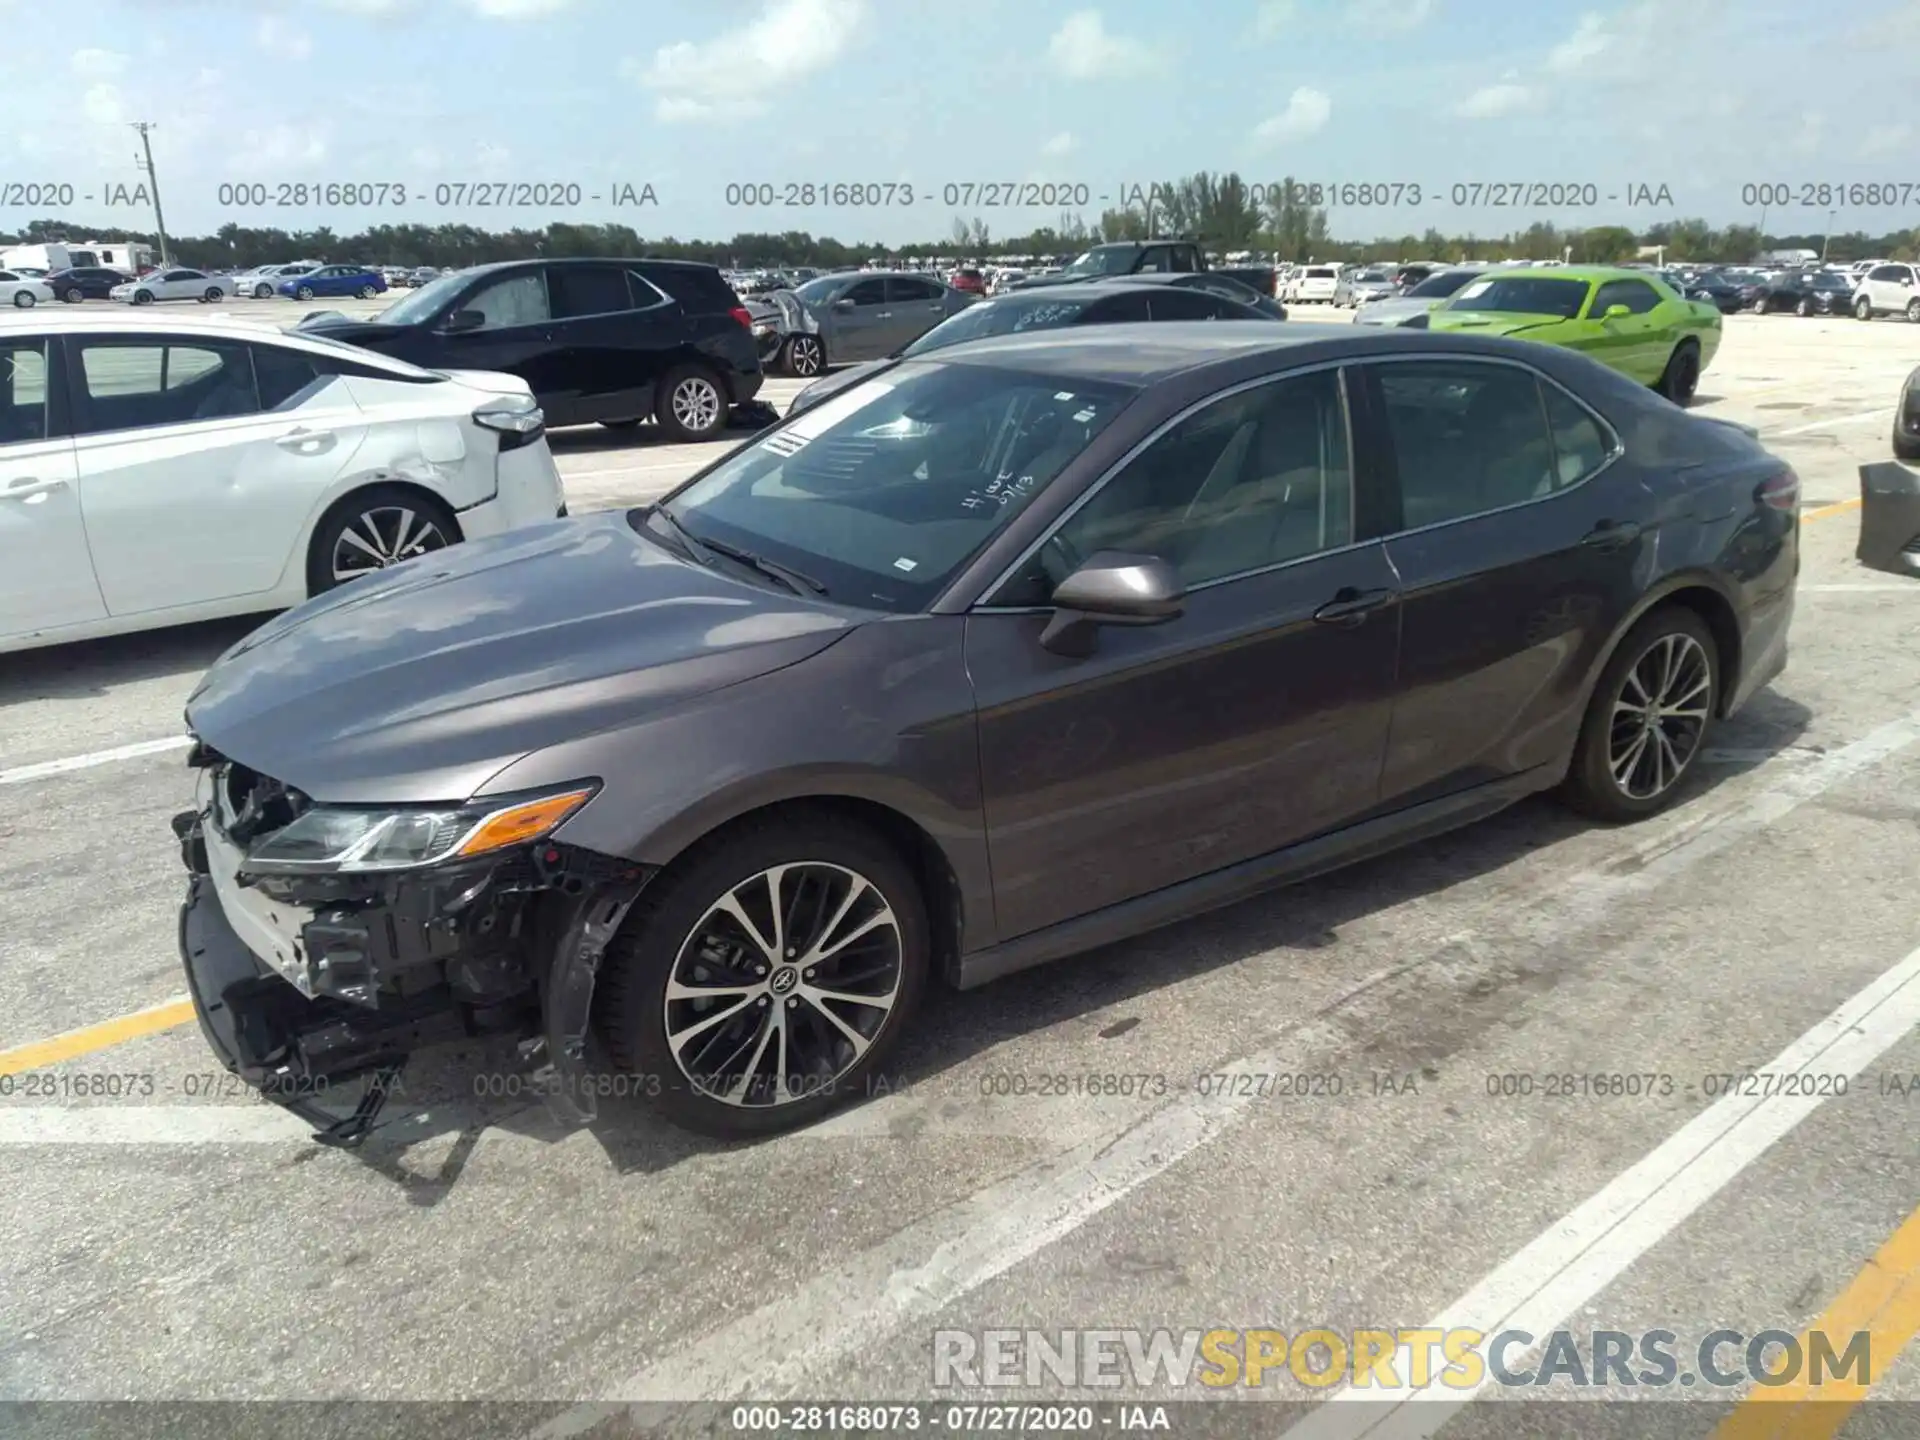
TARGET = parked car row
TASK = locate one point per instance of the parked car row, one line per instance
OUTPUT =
(1867, 290)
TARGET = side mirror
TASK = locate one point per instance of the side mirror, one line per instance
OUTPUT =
(843, 303)
(1111, 588)
(462, 321)
(1616, 312)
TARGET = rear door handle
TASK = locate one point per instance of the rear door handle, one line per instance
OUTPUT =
(1350, 606)
(31, 489)
(1611, 535)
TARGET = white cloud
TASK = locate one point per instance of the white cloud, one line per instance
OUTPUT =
(424, 157)
(1813, 129)
(1273, 18)
(1083, 50)
(98, 64)
(263, 150)
(1883, 138)
(277, 37)
(1389, 14)
(1307, 111)
(1061, 144)
(517, 9)
(731, 76)
(363, 7)
(102, 105)
(1589, 40)
(1492, 101)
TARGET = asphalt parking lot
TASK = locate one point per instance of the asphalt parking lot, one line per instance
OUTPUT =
(168, 1240)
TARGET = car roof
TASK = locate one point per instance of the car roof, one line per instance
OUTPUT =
(40, 321)
(586, 260)
(1143, 353)
(1571, 272)
(1169, 277)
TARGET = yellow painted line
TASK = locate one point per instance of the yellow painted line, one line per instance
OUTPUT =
(1884, 1301)
(164, 1017)
(95, 1037)
(1825, 510)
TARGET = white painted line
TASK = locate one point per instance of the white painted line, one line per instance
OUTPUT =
(254, 1124)
(791, 1341)
(1909, 587)
(20, 774)
(1579, 1255)
(1884, 412)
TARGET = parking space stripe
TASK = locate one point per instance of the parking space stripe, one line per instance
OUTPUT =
(20, 774)
(1574, 1259)
(75, 1043)
(1883, 1300)
(1884, 412)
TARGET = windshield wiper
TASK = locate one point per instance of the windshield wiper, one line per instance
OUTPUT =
(795, 580)
(697, 550)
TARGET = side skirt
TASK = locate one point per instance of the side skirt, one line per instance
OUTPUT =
(1239, 882)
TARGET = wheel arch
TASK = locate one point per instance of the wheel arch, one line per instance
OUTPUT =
(1700, 593)
(301, 560)
(940, 886)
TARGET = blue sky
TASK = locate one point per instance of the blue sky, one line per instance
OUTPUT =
(1702, 96)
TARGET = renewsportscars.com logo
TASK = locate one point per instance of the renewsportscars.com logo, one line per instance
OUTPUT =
(1460, 1359)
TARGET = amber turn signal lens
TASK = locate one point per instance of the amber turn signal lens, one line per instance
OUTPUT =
(520, 823)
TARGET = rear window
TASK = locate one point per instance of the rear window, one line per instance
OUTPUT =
(699, 288)
(1321, 272)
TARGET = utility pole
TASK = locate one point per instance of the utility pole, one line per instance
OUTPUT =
(159, 220)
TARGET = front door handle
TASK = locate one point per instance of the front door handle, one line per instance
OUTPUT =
(30, 488)
(306, 442)
(1611, 535)
(1349, 606)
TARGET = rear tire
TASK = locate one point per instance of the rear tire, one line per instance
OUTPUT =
(24, 299)
(1863, 309)
(367, 292)
(1626, 767)
(680, 935)
(1804, 308)
(305, 292)
(1913, 311)
(1681, 379)
(692, 406)
(213, 295)
(74, 295)
(803, 356)
(397, 523)
(1905, 447)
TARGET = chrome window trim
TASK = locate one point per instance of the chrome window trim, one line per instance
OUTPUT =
(1140, 447)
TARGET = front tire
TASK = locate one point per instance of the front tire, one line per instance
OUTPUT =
(803, 356)
(1804, 308)
(1648, 719)
(1863, 309)
(305, 292)
(372, 529)
(73, 295)
(1913, 311)
(811, 933)
(692, 405)
(1681, 379)
(367, 292)
(24, 299)
(1905, 446)
(263, 292)
(214, 295)
(143, 297)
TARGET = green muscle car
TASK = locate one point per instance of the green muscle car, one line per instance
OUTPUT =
(1631, 320)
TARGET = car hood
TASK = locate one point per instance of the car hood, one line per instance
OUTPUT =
(840, 380)
(1492, 322)
(422, 683)
(1393, 311)
(335, 326)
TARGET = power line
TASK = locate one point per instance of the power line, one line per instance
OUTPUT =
(159, 220)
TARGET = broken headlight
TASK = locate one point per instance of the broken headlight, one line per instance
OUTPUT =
(338, 839)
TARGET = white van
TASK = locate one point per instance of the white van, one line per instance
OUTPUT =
(1315, 284)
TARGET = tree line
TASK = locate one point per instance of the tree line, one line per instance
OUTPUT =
(1220, 209)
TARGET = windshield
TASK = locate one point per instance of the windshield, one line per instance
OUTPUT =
(816, 291)
(1831, 281)
(421, 303)
(997, 317)
(1524, 295)
(882, 493)
(1445, 283)
(367, 359)
(1103, 260)
(1370, 277)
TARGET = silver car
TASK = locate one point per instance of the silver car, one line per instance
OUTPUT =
(174, 284)
(865, 315)
(1416, 302)
(1356, 287)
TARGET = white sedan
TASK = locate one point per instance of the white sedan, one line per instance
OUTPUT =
(21, 290)
(175, 284)
(162, 474)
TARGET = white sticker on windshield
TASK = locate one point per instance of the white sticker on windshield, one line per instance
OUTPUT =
(1063, 394)
(1081, 417)
(905, 564)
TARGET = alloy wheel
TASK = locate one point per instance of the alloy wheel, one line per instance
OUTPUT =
(381, 537)
(803, 355)
(696, 404)
(783, 985)
(1659, 716)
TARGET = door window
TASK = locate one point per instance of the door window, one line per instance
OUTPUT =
(1155, 259)
(587, 290)
(1182, 260)
(1580, 445)
(1120, 310)
(1638, 296)
(23, 391)
(516, 300)
(287, 378)
(868, 292)
(1469, 437)
(904, 290)
(1252, 480)
(130, 386)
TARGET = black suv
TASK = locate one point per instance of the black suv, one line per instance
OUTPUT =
(612, 341)
(85, 282)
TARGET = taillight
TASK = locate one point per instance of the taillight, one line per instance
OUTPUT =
(1782, 492)
(743, 315)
